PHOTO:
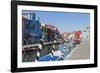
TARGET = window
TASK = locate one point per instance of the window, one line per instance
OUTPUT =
(33, 26)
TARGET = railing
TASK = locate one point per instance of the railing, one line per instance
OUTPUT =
(44, 43)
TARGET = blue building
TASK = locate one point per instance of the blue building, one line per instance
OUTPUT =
(30, 28)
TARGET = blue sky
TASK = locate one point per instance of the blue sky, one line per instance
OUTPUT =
(65, 21)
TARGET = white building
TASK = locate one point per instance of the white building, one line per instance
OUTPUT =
(86, 34)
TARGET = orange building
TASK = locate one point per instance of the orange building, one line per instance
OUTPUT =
(65, 35)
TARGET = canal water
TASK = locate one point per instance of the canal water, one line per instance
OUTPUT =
(48, 51)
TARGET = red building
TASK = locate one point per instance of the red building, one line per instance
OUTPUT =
(77, 37)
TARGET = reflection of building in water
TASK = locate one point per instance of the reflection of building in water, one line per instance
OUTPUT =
(86, 34)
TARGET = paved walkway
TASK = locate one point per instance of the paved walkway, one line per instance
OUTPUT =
(82, 52)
